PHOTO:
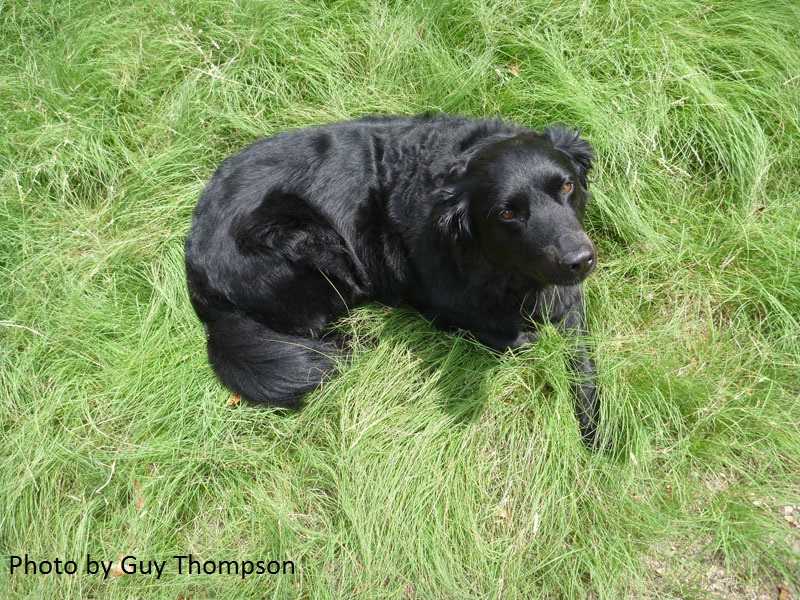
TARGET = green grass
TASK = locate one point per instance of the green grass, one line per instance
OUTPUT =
(429, 468)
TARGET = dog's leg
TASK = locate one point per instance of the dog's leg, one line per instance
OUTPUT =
(565, 307)
(268, 298)
(498, 339)
(587, 404)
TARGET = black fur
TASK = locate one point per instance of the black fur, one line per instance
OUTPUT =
(477, 224)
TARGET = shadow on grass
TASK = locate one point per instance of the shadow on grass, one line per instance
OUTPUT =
(450, 369)
(418, 361)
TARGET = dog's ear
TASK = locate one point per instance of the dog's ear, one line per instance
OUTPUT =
(468, 149)
(459, 168)
(451, 222)
(574, 146)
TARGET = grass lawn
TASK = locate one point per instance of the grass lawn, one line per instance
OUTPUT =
(430, 468)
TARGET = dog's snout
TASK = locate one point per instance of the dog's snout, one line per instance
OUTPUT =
(578, 262)
(577, 256)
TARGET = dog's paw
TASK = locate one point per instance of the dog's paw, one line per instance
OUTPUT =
(595, 438)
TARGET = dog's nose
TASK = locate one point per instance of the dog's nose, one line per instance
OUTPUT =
(578, 262)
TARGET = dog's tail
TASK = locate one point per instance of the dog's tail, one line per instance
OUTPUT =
(264, 366)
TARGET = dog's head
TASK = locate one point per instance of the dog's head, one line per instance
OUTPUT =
(521, 201)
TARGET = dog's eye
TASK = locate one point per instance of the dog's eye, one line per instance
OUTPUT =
(568, 187)
(507, 214)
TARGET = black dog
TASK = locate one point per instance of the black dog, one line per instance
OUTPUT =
(476, 224)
